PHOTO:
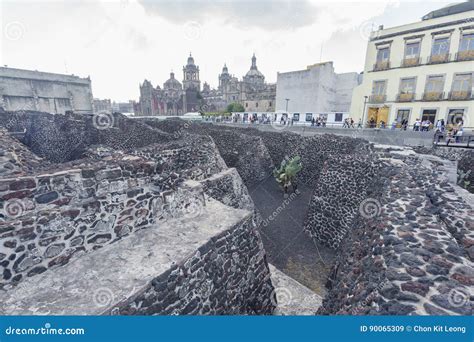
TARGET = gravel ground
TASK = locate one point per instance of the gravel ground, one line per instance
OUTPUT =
(288, 248)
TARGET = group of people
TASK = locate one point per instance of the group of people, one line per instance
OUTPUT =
(450, 132)
(319, 122)
(422, 125)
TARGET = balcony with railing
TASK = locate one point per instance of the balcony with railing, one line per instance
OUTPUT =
(433, 96)
(381, 65)
(410, 62)
(467, 55)
(377, 98)
(441, 58)
(460, 95)
(405, 97)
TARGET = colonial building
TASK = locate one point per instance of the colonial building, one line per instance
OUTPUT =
(422, 70)
(43, 91)
(252, 92)
(102, 106)
(176, 99)
(315, 90)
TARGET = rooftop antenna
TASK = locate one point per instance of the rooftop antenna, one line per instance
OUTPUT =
(65, 66)
(321, 53)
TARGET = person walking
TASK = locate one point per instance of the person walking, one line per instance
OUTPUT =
(416, 126)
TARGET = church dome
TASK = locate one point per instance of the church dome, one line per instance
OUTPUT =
(172, 83)
(253, 73)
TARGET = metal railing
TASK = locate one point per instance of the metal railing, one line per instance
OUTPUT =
(441, 58)
(465, 55)
(377, 98)
(410, 62)
(405, 97)
(460, 95)
(382, 65)
(433, 95)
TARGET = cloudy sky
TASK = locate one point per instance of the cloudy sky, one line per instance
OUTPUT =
(120, 43)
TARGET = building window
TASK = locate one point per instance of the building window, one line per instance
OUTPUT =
(383, 55)
(455, 116)
(256, 104)
(407, 85)
(462, 87)
(429, 114)
(440, 46)
(296, 116)
(412, 54)
(440, 50)
(379, 88)
(309, 117)
(378, 92)
(412, 50)
(434, 88)
(402, 115)
(270, 104)
(338, 117)
(407, 89)
(466, 48)
(246, 104)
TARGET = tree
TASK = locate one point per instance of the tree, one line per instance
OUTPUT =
(235, 107)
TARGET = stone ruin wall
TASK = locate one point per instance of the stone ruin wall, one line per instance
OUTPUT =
(343, 189)
(55, 216)
(227, 276)
(414, 256)
(464, 159)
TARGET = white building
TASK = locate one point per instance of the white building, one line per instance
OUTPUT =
(43, 91)
(422, 70)
(315, 91)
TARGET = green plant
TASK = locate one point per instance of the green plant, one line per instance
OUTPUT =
(285, 175)
(235, 107)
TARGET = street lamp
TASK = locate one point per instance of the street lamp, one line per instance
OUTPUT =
(363, 113)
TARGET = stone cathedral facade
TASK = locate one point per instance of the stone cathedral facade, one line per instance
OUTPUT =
(176, 98)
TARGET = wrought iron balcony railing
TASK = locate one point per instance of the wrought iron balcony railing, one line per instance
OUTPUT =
(441, 58)
(410, 62)
(377, 98)
(433, 96)
(405, 97)
(465, 55)
(381, 65)
(460, 95)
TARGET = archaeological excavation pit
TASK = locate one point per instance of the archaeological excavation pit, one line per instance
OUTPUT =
(147, 217)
